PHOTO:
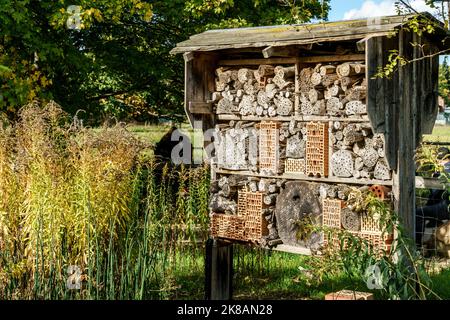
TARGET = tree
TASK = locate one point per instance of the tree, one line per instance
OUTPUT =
(111, 57)
(444, 82)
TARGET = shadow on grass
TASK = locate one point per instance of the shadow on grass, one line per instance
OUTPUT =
(441, 284)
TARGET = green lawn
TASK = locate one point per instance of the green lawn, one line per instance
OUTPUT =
(276, 276)
(154, 133)
(440, 134)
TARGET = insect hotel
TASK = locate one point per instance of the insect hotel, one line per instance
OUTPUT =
(300, 118)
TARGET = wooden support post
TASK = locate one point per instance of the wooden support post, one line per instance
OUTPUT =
(404, 174)
(218, 270)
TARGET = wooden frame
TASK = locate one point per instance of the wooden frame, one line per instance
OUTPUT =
(402, 108)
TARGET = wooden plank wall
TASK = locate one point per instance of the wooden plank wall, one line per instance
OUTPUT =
(382, 96)
(403, 108)
(199, 83)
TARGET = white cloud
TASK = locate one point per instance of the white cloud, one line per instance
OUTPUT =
(384, 8)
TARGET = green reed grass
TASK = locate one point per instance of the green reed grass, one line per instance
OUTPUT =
(71, 196)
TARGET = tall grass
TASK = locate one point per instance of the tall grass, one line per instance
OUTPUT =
(71, 196)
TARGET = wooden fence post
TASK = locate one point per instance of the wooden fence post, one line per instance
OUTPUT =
(218, 270)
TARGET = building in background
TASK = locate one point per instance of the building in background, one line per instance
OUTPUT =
(443, 117)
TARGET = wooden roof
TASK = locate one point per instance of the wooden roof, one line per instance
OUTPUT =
(293, 34)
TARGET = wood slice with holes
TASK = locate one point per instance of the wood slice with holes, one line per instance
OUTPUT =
(262, 98)
(370, 157)
(316, 79)
(249, 88)
(246, 105)
(342, 164)
(351, 135)
(345, 70)
(359, 68)
(381, 171)
(266, 70)
(355, 108)
(271, 90)
(334, 106)
(244, 75)
(306, 108)
(284, 106)
(324, 70)
(315, 95)
(334, 91)
(285, 72)
(296, 147)
(329, 80)
(225, 106)
(319, 108)
(350, 220)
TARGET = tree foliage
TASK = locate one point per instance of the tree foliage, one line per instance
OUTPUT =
(115, 60)
(444, 82)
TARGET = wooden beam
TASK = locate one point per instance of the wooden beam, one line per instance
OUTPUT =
(229, 117)
(200, 108)
(333, 58)
(361, 44)
(257, 62)
(188, 56)
(292, 249)
(422, 183)
(285, 51)
(301, 177)
(315, 59)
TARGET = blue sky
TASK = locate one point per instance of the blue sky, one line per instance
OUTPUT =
(348, 9)
(340, 7)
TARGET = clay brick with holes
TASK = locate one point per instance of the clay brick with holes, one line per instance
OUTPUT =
(255, 223)
(295, 166)
(227, 226)
(380, 192)
(317, 149)
(331, 216)
(370, 224)
(269, 146)
(381, 243)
